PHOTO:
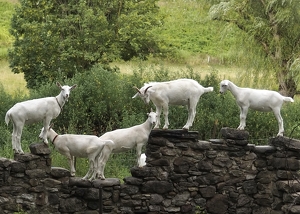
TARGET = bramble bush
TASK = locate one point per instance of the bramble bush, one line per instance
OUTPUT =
(103, 102)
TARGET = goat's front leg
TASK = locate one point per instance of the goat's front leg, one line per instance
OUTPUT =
(243, 115)
(158, 112)
(166, 115)
(280, 121)
(72, 167)
(46, 128)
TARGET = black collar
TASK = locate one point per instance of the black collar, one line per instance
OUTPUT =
(54, 138)
(58, 104)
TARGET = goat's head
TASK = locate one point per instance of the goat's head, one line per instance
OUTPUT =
(144, 94)
(224, 86)
(41, 136)
(152, 117)
(65, 90)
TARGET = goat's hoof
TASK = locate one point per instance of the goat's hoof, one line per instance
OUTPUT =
(18, 152)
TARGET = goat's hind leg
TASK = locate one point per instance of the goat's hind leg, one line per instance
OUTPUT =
(106, 151)
(16, 141)
(191, 115)
(158, 112)
(280, 122)
(90, 171)
(166, 116)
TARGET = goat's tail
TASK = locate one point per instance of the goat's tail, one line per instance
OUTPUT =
(208, 89)
(7, 117)
(288, 99)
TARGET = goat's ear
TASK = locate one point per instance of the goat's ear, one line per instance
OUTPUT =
(58, 84)
(74, 86)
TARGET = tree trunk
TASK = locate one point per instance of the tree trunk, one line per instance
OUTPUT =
(288, 88)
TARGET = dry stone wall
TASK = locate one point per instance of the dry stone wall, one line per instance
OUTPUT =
(182, 175)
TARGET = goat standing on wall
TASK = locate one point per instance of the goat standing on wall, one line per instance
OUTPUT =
(36, 110)
(124, 140)
(259, 100)
(81, 146)
(186, 92)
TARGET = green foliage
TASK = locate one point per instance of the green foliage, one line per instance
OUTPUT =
(272, 27)
(6, 10)
(103, 102)
(55, 40)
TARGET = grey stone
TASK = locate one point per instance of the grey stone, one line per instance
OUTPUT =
(218, 204)
(59, 172)
(208, 192)
(159, 187)
(234, 134)
(39, 149)
(156, 199)
(108, 182)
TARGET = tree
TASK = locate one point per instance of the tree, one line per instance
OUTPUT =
(274, 26)
(56, 39)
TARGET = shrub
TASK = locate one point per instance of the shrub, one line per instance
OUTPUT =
(103, 102)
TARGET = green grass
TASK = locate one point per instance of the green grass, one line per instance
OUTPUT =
(12, 83)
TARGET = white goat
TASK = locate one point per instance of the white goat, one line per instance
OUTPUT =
(124, 140)
(81, 146)
(142, 160)
(184, 92)
(36, 110)
(260, 100)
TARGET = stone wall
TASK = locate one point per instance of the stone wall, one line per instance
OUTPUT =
(182, 175)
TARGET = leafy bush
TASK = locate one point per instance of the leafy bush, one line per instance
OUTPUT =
(103, 102)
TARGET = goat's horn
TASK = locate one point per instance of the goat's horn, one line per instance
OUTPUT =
(51, 125)
(136, 89)
(147, 89)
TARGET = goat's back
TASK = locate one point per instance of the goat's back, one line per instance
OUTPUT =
(176, 92)
(35, 110)
(261, 100)
(78, 145)
(127, 138)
